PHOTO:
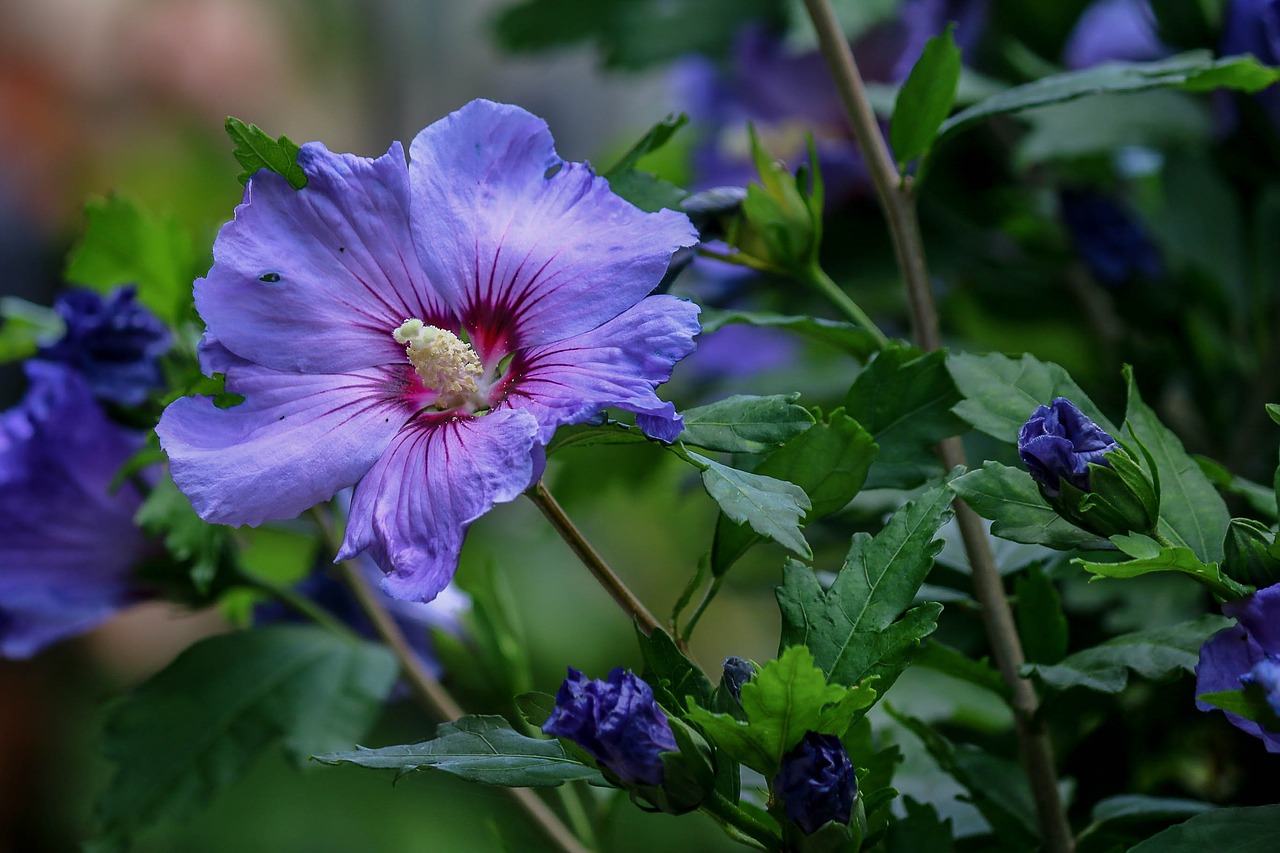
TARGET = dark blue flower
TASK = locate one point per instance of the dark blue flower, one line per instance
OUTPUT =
(67, 538)
(617, 721)
(1114, 31)
(1248, 652)
(1253, 26)
(816, 784)
(1110, 239)
(114, 343)
(1059, 442)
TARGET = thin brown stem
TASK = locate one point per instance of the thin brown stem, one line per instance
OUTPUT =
(898, 203)
(591, 558)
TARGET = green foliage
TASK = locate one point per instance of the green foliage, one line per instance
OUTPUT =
(1158, 653)
(1041, 622)
(854, 340)
(1010, 499)
(255, 149)
(1251, 702)
(853, 628)
(201, 548)
(656, 137)
(124, 244)
(788, 697)
(481, 749)
(947, 660)
(925, 99)
(773, 508)
(1247, 830)
(197, 726)
(675, 680)
(644, 189)
(1150, 556)
(781, 221)
(904, 399)
(26, 327)
(744, 424)
(920, 831)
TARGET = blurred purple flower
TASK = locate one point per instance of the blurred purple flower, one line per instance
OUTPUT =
(1110, 240)
(114, 343)
(738, 350)
(817, 783)
(617, 721)
(1114, 31)
(67, 539)
(1253, 26)
(1245, 653)
(1058, 442)
(421, 332)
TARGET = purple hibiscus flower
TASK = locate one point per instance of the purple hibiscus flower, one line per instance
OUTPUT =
(617, 721)
(1114, 31)
(420, 332)
(816, 783)
(1243, 654)
(1058, 442)
(114, 343)
(67, 539)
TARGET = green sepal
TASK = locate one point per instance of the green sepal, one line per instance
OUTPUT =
(831, 837)
(688, 774)
(781, 220)
(1123, 497)
(1252, 553)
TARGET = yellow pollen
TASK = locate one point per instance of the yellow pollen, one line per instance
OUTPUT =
(447, 364)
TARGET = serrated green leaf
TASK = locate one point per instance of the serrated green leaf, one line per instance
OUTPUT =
(745, 424)
(788, 697)
(198, 725)
(1009, 498)
(854, 340)
(904, 399)
(1000, 393)
(1156, 654)
(925, 98)
(674, 678)
(1192, 513)
(773, 508)
(1041, 622)
(1195, 71)
(255, 150)
(1249, 830)
(1165, 559)
(480, 749)
(200, 547)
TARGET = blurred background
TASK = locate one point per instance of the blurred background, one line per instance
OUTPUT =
(1146, 240)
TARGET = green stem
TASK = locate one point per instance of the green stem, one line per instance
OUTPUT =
(738, 259)
(822, 282)
(1164, 541)
(711, 593)
(730, 815)
(591, 558)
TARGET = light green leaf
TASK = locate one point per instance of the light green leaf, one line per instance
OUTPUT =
(1165, 559)
(255, 150)
(773, 508)
(1009, 498)
(1249, 830)
(26, 328)
(925, 99)
(481, 749)
(745, 424)
(656, 137)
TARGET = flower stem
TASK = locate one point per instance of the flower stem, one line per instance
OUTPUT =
(431, 694)
(898, 204)
(828, 288)
(730, 815)
(591, 558)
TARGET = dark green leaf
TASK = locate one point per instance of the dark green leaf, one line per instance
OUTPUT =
(588, 435)
(925, 99)
(198, 725)
(1001, 392)
(647, 191)
(773, 508)
(1041, 622)
(1247, 830)
(480, 749)
(1129, 807)
(1261, 499)
(854, 340)
(256, 150)
(920, 831)
(904, 399)
(1159, 653)
(1101, 125)
(947, 660)
(743, 424)
(535, 707)
(656, 137)
(1009, 497)
(674, 678)
(1192, 513)
(199, 546)
(1196, 71)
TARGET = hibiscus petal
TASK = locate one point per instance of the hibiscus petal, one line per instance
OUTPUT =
(1224, 658)
(618, 364)
(1257, 614)
(317, 279)
(412, 510)
(527, 248)
(295, 441)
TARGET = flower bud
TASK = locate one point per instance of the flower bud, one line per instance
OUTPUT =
(737, 672)
(781, 220)
(816, 784)
(1252, 554)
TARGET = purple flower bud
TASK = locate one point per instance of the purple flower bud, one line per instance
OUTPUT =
(816, 784)
(114, 343)
(1246, 653)
(737, 672)
(617, 721)
(1059, 442)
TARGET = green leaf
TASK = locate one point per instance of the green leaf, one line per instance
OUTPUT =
(480, 749)
(1152, 557)
(1001, 392)
(773, 508)
(656, 137)
(920, 831)
(745, 424)
(674, 678)
(202, 548)
(198, 725)
(1133, 807)
(904, 399)
(1009, 498)
(1192, 513)
(947, 660)
(1041, 622)
(788, 697)
(1247, 830)
(1261, 499)
(589, 435)
(535, 707)
(829, 461)
(925, 98)
(1251, 703)
(1195, 71)
(647, 191)
(851, 627)
(26, 327)
(123, 244)
(854, 340)
(1159, 653)
(256, 150)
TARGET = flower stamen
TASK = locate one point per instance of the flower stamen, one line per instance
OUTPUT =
(447, 364)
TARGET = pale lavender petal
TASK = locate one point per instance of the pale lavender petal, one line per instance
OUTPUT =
(295, 441)
(527, 248)
(317, 279)
(618, 364)
(412, 510)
